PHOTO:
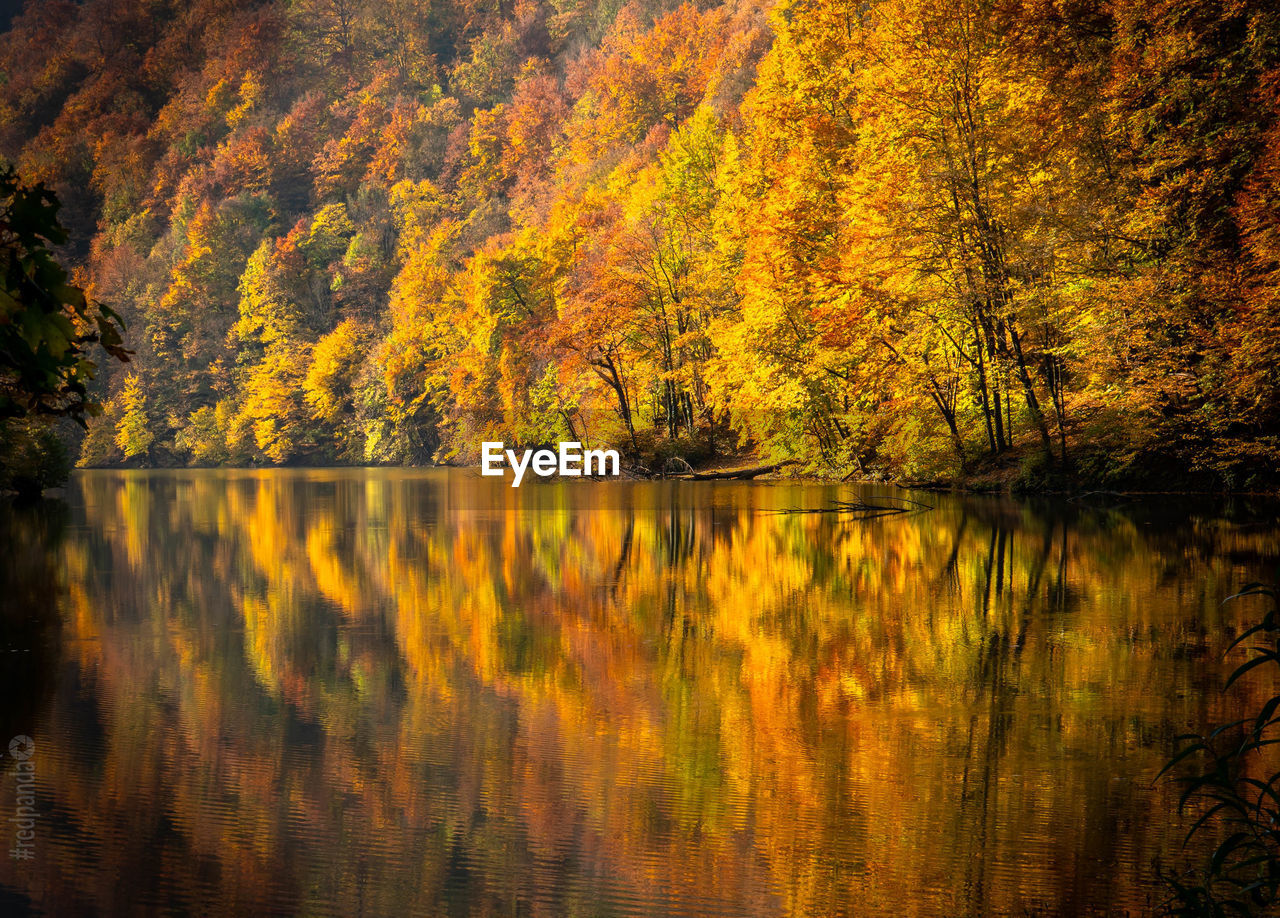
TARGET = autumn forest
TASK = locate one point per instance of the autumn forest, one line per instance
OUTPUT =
(925, 239)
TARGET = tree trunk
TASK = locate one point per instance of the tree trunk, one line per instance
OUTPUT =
(1033, 403)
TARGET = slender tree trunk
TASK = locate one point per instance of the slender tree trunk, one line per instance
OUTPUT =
(983, 396)
(948, 415)
(614, 379)
(1033, 403)
(1002, 440)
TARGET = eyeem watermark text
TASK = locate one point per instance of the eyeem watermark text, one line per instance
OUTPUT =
(569, 460)
(21, 749)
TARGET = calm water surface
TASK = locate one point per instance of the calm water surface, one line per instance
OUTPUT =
(388, 692)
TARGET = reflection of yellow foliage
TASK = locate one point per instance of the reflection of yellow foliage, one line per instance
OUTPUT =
(331, 578)
(706, 695)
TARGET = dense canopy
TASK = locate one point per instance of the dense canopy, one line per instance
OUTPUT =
(927, 238)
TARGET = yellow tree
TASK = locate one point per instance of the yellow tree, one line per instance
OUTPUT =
(133, 431)
(956, 188)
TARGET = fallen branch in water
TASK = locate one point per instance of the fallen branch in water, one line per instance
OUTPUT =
(735, 474)
(1086, 494)
(865, 509)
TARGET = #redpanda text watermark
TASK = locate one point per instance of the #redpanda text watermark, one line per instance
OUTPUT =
(21, 750)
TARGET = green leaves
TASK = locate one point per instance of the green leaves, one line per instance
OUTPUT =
(46, 324)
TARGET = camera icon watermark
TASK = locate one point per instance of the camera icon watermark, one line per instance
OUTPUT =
(21, 749)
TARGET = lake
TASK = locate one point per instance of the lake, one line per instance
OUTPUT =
(369, 692)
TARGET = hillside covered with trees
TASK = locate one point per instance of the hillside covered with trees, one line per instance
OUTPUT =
(925, 238)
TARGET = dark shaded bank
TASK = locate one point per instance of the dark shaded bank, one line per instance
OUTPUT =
(1033, 472)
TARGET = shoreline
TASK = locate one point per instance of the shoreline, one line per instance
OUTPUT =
(772, 478)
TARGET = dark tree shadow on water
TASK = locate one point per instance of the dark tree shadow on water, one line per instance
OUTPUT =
(32, 585)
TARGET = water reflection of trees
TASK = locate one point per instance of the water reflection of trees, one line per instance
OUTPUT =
(379, 690)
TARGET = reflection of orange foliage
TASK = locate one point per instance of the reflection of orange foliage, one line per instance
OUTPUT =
(333, 685)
